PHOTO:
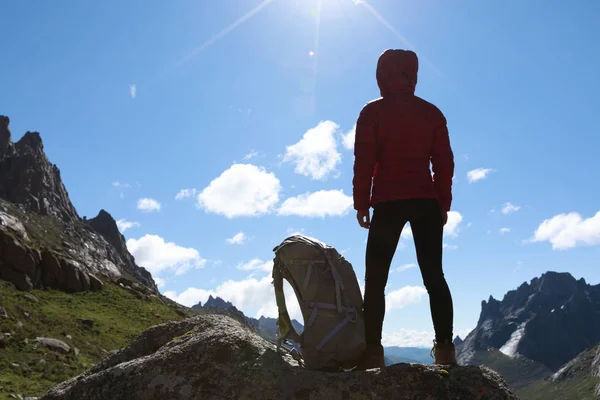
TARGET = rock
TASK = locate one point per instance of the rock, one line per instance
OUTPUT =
(36, 211)
(20, 279)
(52, 274)
(19, 262)
(13, 224)
(214, 357)
(72, 282)
(553, 311)
(27, 315)
(76, 351)
(53, 344)
(31, 297)
(29, 179)
(14, 365)
(95, 283)
(3, 313)
(124, 282)
(19, 324)
(86, 322)
(134, 292)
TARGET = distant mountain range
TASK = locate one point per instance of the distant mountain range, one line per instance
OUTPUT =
(537, 333)
(267, 327)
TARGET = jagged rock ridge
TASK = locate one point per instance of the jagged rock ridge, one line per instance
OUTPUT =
(43, 242)
(214, 357)
(29, 179)
(549, 320)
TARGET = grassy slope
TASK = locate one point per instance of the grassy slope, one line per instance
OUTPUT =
(518, 372)
(578, 385)
(118, 317)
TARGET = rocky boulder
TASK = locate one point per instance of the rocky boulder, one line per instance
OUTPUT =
(214, 357)
(53, 344)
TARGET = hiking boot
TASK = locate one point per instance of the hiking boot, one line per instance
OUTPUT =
(371, 358)
(444, 353)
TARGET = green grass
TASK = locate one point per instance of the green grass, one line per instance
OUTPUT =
(517, 372)
(118, 316)
(577, 383)
(579, 388)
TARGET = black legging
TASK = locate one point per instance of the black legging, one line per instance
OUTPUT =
(387, 223)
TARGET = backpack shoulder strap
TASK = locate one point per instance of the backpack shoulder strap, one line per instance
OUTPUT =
(286, 329)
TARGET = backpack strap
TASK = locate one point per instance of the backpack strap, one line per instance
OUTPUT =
(286, 329)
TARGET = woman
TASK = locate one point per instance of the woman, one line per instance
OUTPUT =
(397, 137)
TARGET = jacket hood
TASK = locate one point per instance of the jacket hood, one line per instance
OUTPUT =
(397, 72)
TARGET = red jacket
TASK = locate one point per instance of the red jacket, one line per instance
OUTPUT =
(397, 136)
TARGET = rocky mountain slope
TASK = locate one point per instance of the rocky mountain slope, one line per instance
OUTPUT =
(536, 330)
(198, 358)
(549, 320)
(43, 241)
(578, 379)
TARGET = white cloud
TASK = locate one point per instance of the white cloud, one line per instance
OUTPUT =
(132, 91)
(408, 338)
(156, 255)
(478, 174)
(185, 194)
(509, 208)
(502, 231)
(123, 225)
(247, 295)
(238, 238)
(348, 138)
(160, 283)
(316, 154)
(451, 228)
(250, 155)
(147, 204)
(565, 231)
(256, 265)
(404, 267)
(449, 246)
(318, 204)
(404, 296)
(242, 190)
(414, 338)
(121, 185)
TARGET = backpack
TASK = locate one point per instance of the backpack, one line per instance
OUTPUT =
(327, 290)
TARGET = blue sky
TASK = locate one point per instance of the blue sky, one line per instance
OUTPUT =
(250, 107)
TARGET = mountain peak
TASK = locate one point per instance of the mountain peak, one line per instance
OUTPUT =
(29, 179)
(554, 311)
(33, 140)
